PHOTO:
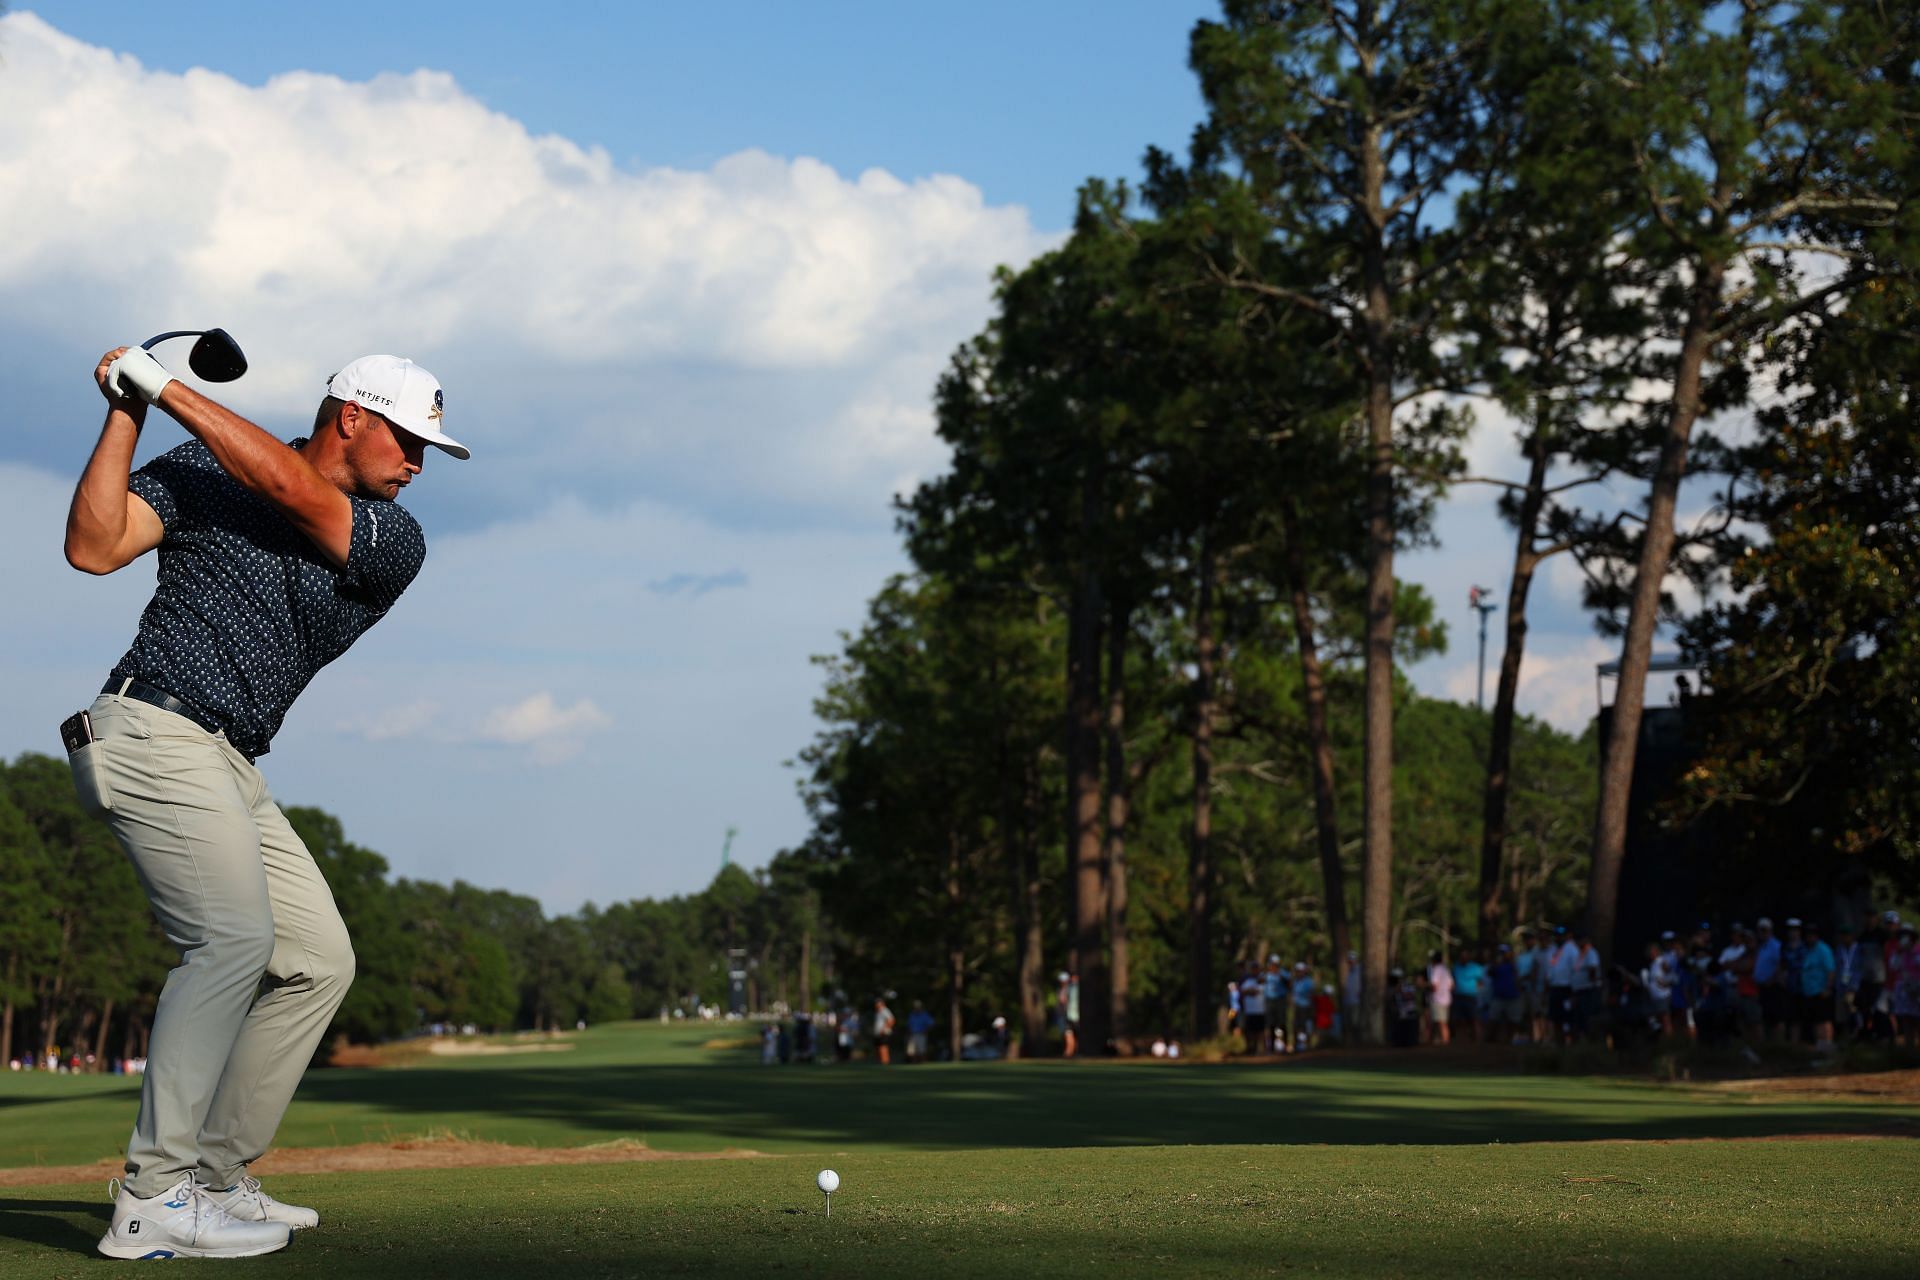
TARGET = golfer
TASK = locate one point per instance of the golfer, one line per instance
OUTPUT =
(274, 558)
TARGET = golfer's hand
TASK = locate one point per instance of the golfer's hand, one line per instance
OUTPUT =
(135, 373)
(128, 403)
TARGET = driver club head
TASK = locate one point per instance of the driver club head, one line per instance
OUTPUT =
(216, 357)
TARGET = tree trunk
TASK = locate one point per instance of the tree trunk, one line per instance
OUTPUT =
(1023, 865)
(1200, 844)
(1085, 839)
(6, 1010)
(1493, 818)
(956, 952)
(1376, 879)
(1313, 692)
(806, 969)
(1119, 799)
(1033, 955)
(100, 1037)
(1636, 653)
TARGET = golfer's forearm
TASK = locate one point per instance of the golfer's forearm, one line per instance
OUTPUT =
(97, 518)
(267, 466)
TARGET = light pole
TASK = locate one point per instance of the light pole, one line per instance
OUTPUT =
(1480, 600)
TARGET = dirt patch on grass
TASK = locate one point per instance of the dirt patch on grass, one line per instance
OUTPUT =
(411, 1153)
(1879, 1086)
(410, 1053)
(488, 1049)
(1894, 1129)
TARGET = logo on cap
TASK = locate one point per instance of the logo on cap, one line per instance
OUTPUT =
(439, 409)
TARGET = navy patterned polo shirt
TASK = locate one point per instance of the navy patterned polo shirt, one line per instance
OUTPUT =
(247, 609)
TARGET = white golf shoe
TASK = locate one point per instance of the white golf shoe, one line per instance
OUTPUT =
(185, 1222)
(247, 1202)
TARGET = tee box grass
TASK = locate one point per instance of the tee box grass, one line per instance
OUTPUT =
(1375, 1166)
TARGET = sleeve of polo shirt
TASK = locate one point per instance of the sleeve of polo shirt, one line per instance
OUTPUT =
(167, 485)
(387, 549)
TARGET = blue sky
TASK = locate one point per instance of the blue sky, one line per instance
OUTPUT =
(1024, 100)
(688, 275)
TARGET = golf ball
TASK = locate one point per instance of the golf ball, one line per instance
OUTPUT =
(829, 1181)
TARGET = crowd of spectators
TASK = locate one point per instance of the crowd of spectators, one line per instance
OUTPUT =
(1741, 985)
(53, 1059)
(1284, 1008)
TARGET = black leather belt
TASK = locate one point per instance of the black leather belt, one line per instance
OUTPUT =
(140, 691)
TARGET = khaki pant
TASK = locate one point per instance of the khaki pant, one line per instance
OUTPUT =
(264, 956)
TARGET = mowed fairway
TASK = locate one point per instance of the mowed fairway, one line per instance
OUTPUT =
(1372, 1166)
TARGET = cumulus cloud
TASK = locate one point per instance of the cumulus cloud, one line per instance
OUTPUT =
(412, 720)
(575, 309)
(554, 732)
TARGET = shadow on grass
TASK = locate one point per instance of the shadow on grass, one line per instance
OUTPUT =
(1049, 1105)
(51, 1223)
(1095, 1253)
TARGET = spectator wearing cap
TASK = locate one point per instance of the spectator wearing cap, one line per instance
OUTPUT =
(1403, 1009)
(1253, 1009)
(1534, 960)
(1903, 981)
(920, 1025)
(1506, 1006)
(1561, 963)
(1818, 972)
(1657, 978)
(1469, 991)
(1847, 952)
(1066, 1010)
(1765, 950)
(1300, 1008)
(1870, 1001)
(1737, 961)
(882, 1030)
(1588, 983)
(1276, 985)
(1439, 1000)
(1793, 952)
(1685, 986)
(1699, 955)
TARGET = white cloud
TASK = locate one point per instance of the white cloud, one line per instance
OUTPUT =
(554, 732)
(412, 720)
(580, 314)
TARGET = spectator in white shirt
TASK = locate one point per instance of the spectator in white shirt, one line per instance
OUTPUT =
(1439, 999)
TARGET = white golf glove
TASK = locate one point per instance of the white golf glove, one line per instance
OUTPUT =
(137, 373)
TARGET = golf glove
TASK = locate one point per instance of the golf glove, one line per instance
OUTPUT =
(137, 373)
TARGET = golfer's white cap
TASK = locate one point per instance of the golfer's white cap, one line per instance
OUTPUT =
(401, 392)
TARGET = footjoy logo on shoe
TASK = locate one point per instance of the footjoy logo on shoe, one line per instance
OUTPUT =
(133, 1228)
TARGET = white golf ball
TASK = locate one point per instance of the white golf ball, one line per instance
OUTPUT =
(829, 1181)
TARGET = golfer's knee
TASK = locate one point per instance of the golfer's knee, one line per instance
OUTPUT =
(333, 962)
(248, 948)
